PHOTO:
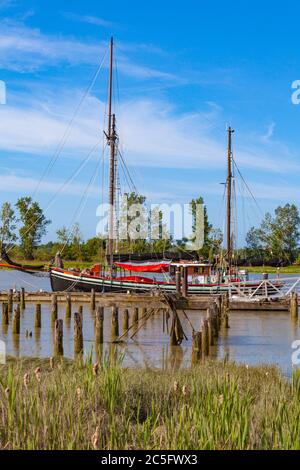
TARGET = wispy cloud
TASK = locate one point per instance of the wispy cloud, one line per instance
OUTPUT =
(25, 49)
(7, 3)
(154, 134)
(269, 134)
(24, 184)
(95, 20)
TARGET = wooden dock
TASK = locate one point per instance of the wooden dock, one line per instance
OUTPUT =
(130, 300)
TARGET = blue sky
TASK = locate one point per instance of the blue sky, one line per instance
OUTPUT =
(185, 72)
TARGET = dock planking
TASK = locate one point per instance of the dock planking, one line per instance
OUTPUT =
(141, 300)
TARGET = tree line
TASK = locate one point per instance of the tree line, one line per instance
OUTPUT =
(22, 227)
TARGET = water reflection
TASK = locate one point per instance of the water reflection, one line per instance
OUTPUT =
(253, 338)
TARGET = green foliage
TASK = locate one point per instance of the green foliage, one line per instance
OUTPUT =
(213, 237)
(33, 226)
(8, 224)
(278, 236)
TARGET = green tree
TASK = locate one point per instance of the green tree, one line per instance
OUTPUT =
(135, 240)
(76, 242)
(33, 226)
(94, 249)
(62, 236)
(213, 237)
(8, 224)
(277, 236)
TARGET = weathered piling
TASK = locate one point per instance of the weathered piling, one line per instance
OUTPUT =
(68, 306)
(54, 308)
(22, 300)
(215, 318)
(58, 338)
(178, 280)
(125, 320)
(135, 316)
(10, 300)
(226, 318)
(294, 305)
(143, 312)
(78, 335)
(204, 339)
(196, 346)
(114, 322)
(16, 321)
(92, 301)
(210, 327)
(99, 319)
(38, 316)
(5, 315)
(184, 281)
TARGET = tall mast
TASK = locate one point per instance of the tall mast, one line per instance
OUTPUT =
(111, 140)
(229, 196)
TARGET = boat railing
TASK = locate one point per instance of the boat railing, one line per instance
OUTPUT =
(266, 289)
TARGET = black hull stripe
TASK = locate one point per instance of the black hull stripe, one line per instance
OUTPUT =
(62, 281)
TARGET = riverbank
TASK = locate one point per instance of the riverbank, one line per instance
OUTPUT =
(216, 405)
(293, 269)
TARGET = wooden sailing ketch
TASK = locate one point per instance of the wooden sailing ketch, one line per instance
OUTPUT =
(201, 277)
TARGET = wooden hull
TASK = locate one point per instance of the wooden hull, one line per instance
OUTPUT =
(68, 281)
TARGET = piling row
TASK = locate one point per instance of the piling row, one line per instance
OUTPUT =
(217, 315)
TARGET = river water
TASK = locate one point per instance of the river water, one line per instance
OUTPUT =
(253, 337)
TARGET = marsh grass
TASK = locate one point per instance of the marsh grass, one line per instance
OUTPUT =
(218, 405)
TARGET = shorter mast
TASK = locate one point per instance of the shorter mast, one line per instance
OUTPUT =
(229, 195)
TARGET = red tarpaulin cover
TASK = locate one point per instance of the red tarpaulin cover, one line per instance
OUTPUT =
(147, 267)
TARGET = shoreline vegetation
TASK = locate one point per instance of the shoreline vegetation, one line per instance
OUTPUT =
(63, 404)
(293, 269)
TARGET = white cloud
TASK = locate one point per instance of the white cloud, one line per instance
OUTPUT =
(153, 133)
(24, 184)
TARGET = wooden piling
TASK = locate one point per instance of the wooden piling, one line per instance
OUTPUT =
(68, 306)
(215, 321)
(204, 339)
(143, 312)
(93, 304)
(38, 316)
(23, 305)
(210, 328)
(294, 305)
(58, 338)
(135, 315)
(184, 282)
(226, 318)
(16, 321)
(10, 300)
(5, 315)
(125, 320)
(114, 322)
(196, 346)
(78, 336)
(54, 308)
(99, 318)
(178, 280)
